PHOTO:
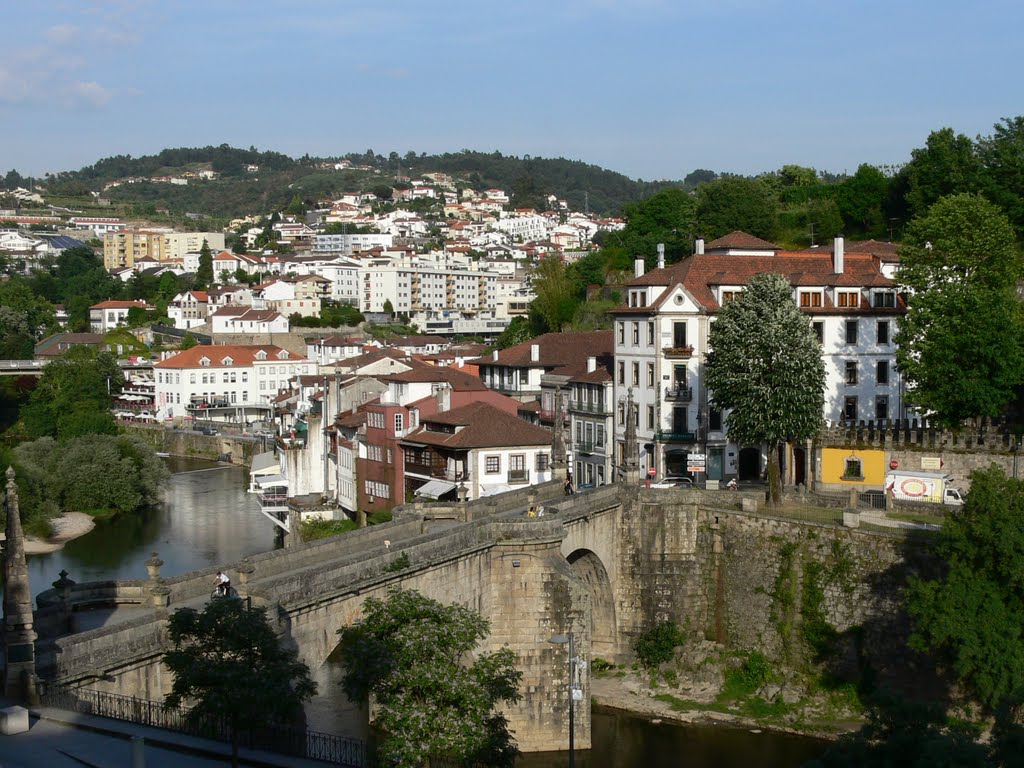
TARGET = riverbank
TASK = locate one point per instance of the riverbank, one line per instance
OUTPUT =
(68, 526)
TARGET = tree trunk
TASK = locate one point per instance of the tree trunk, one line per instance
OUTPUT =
(774, 476)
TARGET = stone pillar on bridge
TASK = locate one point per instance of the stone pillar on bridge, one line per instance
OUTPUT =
(19, 636)
(559, 470)
(535, 596)
(630, 467)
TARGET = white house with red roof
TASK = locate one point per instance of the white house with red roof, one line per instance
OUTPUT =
(229, 374)
(661, 337)
(233, 319)
(188, 309)
(111, 314)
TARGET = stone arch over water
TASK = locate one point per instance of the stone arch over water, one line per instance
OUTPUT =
(588, 567)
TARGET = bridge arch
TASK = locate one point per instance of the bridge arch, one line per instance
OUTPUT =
(587, 566)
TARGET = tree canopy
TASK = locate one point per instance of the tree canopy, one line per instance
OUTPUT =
(960, 342)
(765, 367)
(555, 302)
(73, 396)
(412, 654)
(228, 663)
(732, 203)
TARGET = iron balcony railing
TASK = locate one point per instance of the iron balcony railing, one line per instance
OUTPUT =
(586, 406)
(678, 352)
(519, 475)
(682, 394)
(676, 437)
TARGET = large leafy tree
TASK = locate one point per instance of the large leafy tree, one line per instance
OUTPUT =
(973, 613)
(1002, 160)
(411, 654)
(732, 203)
(228, 663)
(74, 395)
(861, 200)
(960, 342)
(666, 217)
(556, 300)
(765, 367)
(948, 164)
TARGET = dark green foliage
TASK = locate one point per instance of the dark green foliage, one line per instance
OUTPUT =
(1002, 161)
(666, 217)
(555, 302)
(74, 395)
(973, 614)
(960, 267)
(736, 203)
(946, 165)
(228, 663)
(658, 644)
(188, 341)
(412, 654)
(517, 332)
(204, 275)
(752, 675)
(861, 200)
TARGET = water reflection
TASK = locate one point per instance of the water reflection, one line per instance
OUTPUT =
(206, 519)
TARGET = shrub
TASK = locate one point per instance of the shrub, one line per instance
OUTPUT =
(657, 645)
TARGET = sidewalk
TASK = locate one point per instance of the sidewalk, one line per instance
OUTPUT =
(57, 738)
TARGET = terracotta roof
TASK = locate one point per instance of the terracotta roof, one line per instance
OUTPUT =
(559, 352)
(56, 345)
(482, 426)
(738, 239)
(459, 380)
(114, 304)
(416, 341)
(242, 355)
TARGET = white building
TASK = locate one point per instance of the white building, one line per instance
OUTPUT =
(661, 343)
(346, 245)
(235, 374)
(233, 319)
(108, 315)
(177, 244)
(188, 309)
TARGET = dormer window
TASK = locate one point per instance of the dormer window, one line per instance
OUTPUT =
(848, 299)
(728, 296)
(884, 299)
(261, 355)
(204, 361)
(227, 361)
(810, 299)
(282, 355)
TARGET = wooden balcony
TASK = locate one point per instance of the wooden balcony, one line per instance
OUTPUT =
(678, 353)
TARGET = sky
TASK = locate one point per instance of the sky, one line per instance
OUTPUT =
(650, 88)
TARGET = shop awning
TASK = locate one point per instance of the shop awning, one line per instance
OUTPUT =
(434, 489)
(265, 464)
(272, 481)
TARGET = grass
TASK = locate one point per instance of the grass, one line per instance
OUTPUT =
(318, 528)
(917, 517)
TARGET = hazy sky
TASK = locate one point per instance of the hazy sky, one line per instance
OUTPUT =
(650, 88)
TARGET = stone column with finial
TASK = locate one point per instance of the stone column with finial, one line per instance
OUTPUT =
(63, 586)
(631, 448)
(245, 571)
(559, 471)
(159, 592)
(19, 635)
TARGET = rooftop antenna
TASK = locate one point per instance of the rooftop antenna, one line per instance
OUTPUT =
(812, 234)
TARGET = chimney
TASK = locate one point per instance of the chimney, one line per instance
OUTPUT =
(638, 267)
(661, 255)
(535, 353)
(591, 364)
(698, 247)
(838, 254)
(494, 355)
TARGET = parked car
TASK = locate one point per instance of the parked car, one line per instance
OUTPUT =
(674, 481)
(208, 430)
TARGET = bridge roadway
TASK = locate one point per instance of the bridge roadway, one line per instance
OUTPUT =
(35, 367)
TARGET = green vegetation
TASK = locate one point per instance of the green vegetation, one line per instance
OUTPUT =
(765, 367)
(658, 644)
(73, 396)
(412, 654)
(318, 528)
(228, 663)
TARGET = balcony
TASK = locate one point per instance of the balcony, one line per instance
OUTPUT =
(519, 476)
(681, 394)
(546, 415)
(678, 353)
(438, 472)
(676, 437)
(585, 406)
(589, 447)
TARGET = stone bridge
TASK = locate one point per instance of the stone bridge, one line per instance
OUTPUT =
(604, 565)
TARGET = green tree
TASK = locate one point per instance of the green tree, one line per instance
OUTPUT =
(947, 165)
(73, 390)
(765, 366)
(517, 332)
(666, 217)
(735, 203)
(227, 662)
(188, 341)
(388, 307)
(411, 654)
(861, 200)
(1002, 160)
(204, 275)
(959, 346)
(556, 301)
(973, 614)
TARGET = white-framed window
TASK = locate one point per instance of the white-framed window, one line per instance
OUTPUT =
(810, 299)
(399, 422)
(847, 298)
(492, 464)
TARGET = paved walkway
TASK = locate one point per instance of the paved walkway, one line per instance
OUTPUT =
(58, 739)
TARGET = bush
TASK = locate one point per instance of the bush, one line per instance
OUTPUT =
(318, 528)
(658, 645)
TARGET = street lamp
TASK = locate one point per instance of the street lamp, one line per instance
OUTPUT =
(574, 691)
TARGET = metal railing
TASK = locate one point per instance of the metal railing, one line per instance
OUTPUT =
(519, 475)
(587, 406)
(315, 745)
(684, 394)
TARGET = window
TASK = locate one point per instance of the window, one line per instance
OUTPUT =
(650, 417)
(650, 333)
(852, 469)
(882, 372)
(650, 374)
(636, 334)
(622, 372)
(245, 377)
(810, 299)
(599, 441)
(621, 414)
(851, 372)
(492, 464)
(517, 465)
(622, 334)
(882, 407)
(884, 299)
(191, 378)
(883, 331)
(728, 296)
(851, 331)
(679, 334)
(399, 422)
(850, 408)
(542, 462)
(636, 374)
(715, 420)
(819, 331)
(847, 298)
(524, 376)
(224, 377)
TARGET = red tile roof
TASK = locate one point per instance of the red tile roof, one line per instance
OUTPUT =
(482, 426)
(562, 353)
(113, 304)
(459, 380)
(242, 355)
(740, 240)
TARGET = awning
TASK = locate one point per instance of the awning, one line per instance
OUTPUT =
(434, 489)
(271, 481)
(265, 464)
(494, 489)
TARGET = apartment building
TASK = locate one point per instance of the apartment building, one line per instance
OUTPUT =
(123, 247)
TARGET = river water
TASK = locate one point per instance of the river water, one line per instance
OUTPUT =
(208, 519)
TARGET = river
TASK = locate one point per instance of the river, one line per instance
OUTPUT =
(208, 519)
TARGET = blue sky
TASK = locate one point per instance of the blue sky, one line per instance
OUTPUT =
(650, 88)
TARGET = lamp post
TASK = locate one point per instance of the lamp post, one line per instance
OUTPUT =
(563, 640)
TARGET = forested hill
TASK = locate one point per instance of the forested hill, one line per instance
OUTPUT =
(240, 189)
